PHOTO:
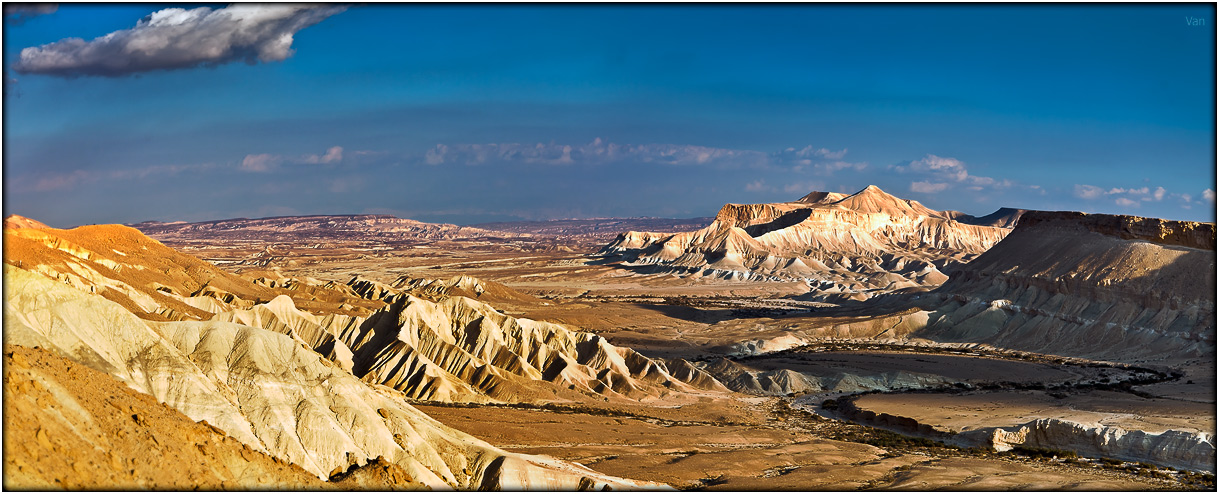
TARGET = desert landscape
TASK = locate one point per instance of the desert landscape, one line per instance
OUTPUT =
(755, 352)
(623, 247)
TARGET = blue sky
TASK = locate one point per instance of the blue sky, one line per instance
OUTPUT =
(470, 113)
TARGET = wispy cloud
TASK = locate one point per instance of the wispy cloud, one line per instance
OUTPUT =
(796, 189)
(942, 173)
(176, 38)
(928, 187)
(1208, 195)
(260, 163)
(1132, 197)
(600, 151)
(333, 155)
(69, 180)
(266, 162)
(1088, 191)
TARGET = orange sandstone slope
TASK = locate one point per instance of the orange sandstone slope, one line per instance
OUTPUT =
(849, 245)
(147, 278)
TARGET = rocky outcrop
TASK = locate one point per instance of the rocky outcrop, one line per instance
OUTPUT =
(462, 350)
(270, 392)
(1177, 449)
(1097, 286)
(850, 246)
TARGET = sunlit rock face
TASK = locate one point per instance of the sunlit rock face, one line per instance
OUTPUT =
(269, 391)
(1177, 449)
(846, 246)
(457, 349)
(1101, 286)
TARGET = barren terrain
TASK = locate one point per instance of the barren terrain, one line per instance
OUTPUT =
(393, 353)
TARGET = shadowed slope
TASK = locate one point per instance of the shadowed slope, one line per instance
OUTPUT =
(1102, 286)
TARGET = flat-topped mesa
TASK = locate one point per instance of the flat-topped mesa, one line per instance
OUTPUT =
(314, 228)
(848, 245)
(743, 215)
(1192, 234)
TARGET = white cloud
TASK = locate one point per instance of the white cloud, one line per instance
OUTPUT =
(928, 187)
(1122, 201)
(333, 155)
(266, 162)
(942, 173)
(1088, 191)
(1124, 196)
(948, 168)
(177, 38)
(1208, 195)
(260, 163)
(756, 186)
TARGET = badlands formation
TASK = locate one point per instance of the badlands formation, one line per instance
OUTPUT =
(836, 342)
(845, 246)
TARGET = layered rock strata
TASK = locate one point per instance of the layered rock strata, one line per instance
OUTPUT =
(846, 246)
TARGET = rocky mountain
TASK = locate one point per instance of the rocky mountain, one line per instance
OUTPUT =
(1088, 285)
(848, 245)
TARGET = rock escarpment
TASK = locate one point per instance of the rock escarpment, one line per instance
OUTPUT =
(1177, 449)
(848, 246)
(1096, 286)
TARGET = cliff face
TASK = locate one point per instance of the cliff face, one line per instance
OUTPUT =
(1102, 286)
(1177, 449)
(848, 246)
(1158, 231)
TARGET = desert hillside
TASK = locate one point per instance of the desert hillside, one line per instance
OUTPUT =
(1103, 286)
(263, 388)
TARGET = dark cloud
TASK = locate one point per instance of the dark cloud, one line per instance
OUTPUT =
(18, 13)
(177, 38)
